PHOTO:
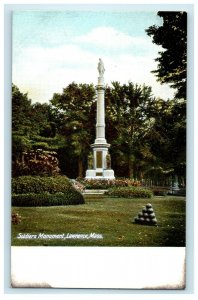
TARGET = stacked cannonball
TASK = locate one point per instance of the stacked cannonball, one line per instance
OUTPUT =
(147, 216)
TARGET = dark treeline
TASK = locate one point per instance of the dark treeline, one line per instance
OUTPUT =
(147, 135)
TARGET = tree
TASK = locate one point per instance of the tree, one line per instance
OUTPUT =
(20, 144)
(21, 125)
(75, 108)
(21, 112)
(128, 125)
(44, 119)
(168, 139)
(172, 62)
(31, 119)
(33, 127)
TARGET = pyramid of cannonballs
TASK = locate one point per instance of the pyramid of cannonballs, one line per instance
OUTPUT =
(146, 216)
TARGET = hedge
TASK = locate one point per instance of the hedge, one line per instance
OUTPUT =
(40, 184)
(72, 197)
(130, 192)
(159, 192)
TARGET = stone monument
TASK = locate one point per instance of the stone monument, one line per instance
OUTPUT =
(101, 157)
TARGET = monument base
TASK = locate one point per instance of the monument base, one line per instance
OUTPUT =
(100, 174)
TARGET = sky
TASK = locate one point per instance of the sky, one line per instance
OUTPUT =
(54, 48)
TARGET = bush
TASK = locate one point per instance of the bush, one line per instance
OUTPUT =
(106, 184)
(16, 218)
(37, 162)
(40, 145)
(39, 184)
(72, 197)
(77, 185)
(159, 192)
(130, 192)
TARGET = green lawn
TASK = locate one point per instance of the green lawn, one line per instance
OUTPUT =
(110, 217)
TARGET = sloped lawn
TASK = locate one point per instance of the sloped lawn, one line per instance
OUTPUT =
(109, 218)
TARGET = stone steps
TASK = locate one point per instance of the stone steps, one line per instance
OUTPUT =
(94, 192)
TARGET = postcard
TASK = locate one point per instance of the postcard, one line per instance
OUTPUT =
(99, 148)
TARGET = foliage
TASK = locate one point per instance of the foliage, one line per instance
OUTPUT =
(44, 191)
(168, 139)
(79, 186)
(75, 109)
(69, 197)
(172, 62)
(106, 184)
(16, 218)
(37, 162)
(130, 192)
(159, 191)
(20, 144)
(128, 124)
(39, 184)
(40, 145)
(48, 143)
(144, 132)
(31, 119)
(21, 111)
(30, 122)
(44, 120)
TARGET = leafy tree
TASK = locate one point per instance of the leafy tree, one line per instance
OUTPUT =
(20, 144)
(147, 135)
(21, 112)
(33, 127)
(172, 62)
(75, 109)
(128, 120)
(31, 119)
(168, 139)
(21, 125)
(44, 119)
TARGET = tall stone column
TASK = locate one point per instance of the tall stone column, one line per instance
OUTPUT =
(101, 168)
(100, 117)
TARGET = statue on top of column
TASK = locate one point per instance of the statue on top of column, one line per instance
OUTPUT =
(101, 68)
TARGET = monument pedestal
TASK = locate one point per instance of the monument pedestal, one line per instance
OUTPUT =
(100, 166)
(100, 174)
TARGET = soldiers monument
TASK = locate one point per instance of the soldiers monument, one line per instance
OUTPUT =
(99, 163)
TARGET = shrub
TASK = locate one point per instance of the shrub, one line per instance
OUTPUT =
(72, 197)
(130, 192)
(16, 218)
(106, 184)
(39, 184)
(37, 162)
(40, 145)
(159, 192)
(77, 185)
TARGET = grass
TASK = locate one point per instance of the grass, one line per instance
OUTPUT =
(111, 217)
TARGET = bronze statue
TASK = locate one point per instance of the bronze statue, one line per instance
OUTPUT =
(90, 161)
(108, 160)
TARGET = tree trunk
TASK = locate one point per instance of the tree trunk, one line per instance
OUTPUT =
(130, 168)
(22, 159)
(141, 175)
(80, 167)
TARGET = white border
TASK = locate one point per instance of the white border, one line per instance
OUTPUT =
(99, 267)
